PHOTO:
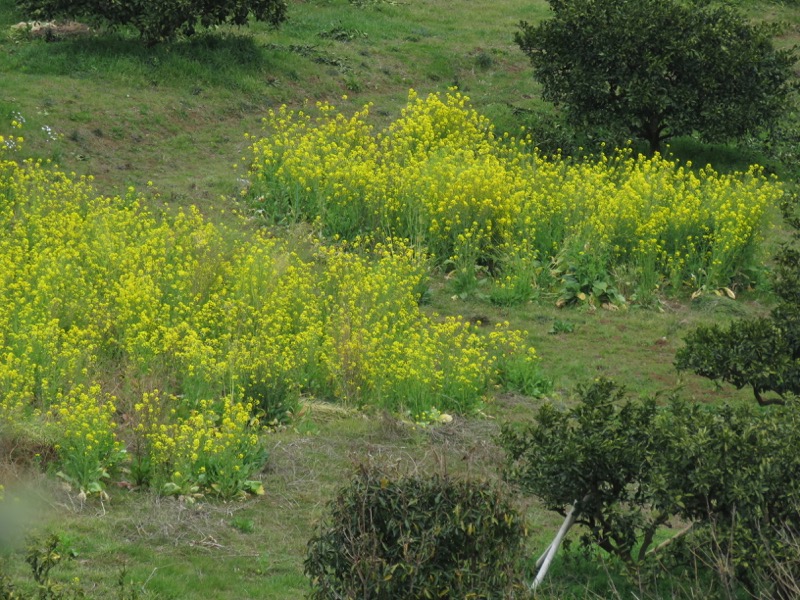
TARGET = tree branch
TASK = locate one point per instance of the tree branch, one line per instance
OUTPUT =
(780, 401)
(666, 543)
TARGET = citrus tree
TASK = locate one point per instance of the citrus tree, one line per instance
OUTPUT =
(654, 69)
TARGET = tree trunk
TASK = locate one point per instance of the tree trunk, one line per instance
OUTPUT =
(652, 133)
(655, 144)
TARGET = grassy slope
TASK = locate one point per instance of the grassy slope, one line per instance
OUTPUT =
(175, 115)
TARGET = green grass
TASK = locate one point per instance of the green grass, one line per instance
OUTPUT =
(175, 115)
(120, 106)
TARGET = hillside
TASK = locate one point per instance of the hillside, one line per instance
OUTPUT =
(171, 122)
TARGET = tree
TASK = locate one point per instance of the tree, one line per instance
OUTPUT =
(597, 457)
(161, 20)
(655, 69)
(763, 353)
(626, 468)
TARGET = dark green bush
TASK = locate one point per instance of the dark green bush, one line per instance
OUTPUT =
(599, 453)
(158, 21)
(416, 537)
(732, 472)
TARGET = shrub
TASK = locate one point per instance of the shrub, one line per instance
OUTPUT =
(598, 455)
(158, 21)
(734, 472)
(416, 537)
(629, 467)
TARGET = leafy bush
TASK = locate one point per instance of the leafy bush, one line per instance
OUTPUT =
(597, 455)
(697, 67)
(158, 21)
(734, 472)
(415, 537)
(763, 353)
(629, 467)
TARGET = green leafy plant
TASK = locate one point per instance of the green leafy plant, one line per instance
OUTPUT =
(655, 69)
(594, 456)
(560, 326)
(243, 524)
(732, 471)
(159, 21)
(584, 278)
(522, 274)
(624, 469)
(416, 537)
(43, 555)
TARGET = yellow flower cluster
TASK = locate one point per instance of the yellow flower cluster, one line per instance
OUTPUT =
(378, 347)
(87, 444)
(440, 177)
(214, 447)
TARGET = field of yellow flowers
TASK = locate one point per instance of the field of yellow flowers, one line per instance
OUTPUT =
(440, 177)
(161, 347)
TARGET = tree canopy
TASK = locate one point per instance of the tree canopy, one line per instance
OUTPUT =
(655, 69)
(162, 20)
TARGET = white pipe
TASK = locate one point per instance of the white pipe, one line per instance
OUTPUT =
(540, 560)
(551, 552)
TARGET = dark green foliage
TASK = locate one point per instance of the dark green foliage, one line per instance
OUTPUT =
(415, 537)
(762, 353)
(162, 20)
(599, 453)
(733, 472)
(655, 69)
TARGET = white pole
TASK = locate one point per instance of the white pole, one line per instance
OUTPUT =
(540, 560)
(551, 552)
